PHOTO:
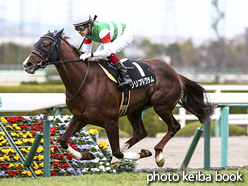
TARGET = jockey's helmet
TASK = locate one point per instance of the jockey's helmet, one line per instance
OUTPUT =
(81, 19)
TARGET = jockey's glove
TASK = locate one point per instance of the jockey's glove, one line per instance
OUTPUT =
(86, 56)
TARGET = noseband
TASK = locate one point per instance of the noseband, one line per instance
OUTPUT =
(54, 51)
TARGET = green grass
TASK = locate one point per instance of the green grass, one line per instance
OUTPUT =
(50, 88)
(122, 179)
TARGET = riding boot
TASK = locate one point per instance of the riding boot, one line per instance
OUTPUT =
(126, 80)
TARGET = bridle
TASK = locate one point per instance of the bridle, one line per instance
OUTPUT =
(54, 51)
(51, 56)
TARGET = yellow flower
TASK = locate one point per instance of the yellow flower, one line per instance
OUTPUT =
(18, 128)
(40, 149)
(28, 134)
(39, 157)
(41, 164)
(1, 158)
(32, 140)
(93, 131)
(4, 142)
(14, 134)
(24, 136)
(14, 125)
(26, 140)
(103, 144)
(28, 173)
(42, 140)
(19, 164)
(18, 142)
(24, 150)
(16, 157)
(9, 127)
(1, 137)
(7, 151)
(11, 165)
(28, 148)
(7, 158)
(52, 150)
(2, 133)
(3, 120)
(38, 172)
(36, 166)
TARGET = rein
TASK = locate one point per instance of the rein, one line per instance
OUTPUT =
(46, 55)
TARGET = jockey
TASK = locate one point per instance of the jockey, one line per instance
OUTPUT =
(113, 36)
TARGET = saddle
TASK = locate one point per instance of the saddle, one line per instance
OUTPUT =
(139, 72)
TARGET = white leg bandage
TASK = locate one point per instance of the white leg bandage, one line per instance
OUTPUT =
(131, 155)
(77, 155)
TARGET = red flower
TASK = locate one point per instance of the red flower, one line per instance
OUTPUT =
(34, 133)
(65, 165)
(24, 126)
(55, 148)
(69, 156)
(69, 140)
(73, 146)
(56, 164)
(51, 140)
(19, 118)
(61, 157)
(11, 173)
(39, 124)
(34, 127)
(11, 119)
(54, 173)
(5, 166)
(53, 131)
(18, 171)
(53, 156)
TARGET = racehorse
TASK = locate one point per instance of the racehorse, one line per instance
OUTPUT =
(93, 99)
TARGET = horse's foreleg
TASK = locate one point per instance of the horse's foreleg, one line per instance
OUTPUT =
(112, 131)
(74, 126)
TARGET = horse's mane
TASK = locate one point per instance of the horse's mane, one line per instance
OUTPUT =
(65, 39)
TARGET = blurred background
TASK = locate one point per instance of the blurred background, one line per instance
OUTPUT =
(205, 40)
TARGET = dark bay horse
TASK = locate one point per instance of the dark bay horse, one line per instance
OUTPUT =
(97, 100)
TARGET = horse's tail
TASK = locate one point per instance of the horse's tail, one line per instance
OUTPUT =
(195, 100)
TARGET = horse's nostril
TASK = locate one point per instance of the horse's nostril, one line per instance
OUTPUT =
(29, 64)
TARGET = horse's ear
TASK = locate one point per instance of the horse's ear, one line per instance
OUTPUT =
(57, 34)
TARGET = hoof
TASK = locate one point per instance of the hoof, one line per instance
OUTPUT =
(87, 156)
(115, 163)
(160, 160)
(145, 153)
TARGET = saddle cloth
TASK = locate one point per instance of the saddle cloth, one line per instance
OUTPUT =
(139, 72)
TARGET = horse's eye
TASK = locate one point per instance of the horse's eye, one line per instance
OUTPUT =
(45, 45)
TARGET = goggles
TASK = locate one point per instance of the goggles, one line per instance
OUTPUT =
(80, 28)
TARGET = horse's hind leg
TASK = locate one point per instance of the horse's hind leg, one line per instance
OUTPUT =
(74, 126)
(173, 127)
(139, 133)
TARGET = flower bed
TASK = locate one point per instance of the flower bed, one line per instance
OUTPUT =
(22, 130)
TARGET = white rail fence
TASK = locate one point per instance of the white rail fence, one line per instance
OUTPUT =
(33, 101)
(222, 94)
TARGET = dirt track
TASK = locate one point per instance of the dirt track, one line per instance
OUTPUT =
(175, 150)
